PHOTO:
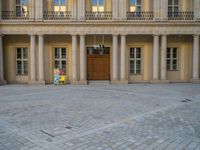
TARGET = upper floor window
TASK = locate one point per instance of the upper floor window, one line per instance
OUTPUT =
(135, 6)
(98, 5)
(173, 5)
(60, 5)
(21, 7)
(172, 59)
(135, 61)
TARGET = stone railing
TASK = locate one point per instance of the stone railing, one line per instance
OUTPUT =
(98, 15)
(180, 15)
(15, 15)
(139, 15)
(53, 15)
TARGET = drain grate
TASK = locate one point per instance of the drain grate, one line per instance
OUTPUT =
(186, 100)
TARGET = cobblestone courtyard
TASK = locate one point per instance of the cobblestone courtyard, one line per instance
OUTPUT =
(100, 117)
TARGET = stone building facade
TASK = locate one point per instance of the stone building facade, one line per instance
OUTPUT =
(122, 41)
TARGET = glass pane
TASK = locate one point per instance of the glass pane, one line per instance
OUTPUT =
(175, 9)
(169, 9)
(63, 52)
(174, 53)
(174, 64)
(138, 53)
(139, 9)
(63, 65)
(175, 2)
(169, 2)
(18, 10)
(132, 66)
(18, 2)
(133, 2)
(25, 67)
(94, 2)
(138, 67)
(19, 54)
(138, 2)
(56, 2)
(62, 2)
(19, 67)
(168, 64)
(57, 53)
(132, 53)
(101, 3)
(168, 52)
(25, 53)
(24, 2)
(57, 64)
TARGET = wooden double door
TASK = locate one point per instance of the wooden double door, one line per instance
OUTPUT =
(98, 63)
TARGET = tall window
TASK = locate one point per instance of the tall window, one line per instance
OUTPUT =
(173, 5)
(60, 5)
(172, 59)
(21, 7)
(135, 61)
(22, 61)
(98, 5)
(60, 59)
(135, 6)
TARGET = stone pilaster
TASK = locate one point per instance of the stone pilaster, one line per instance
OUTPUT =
(115, 10)
(115, 58)
(195, 65)
(164, 9)
(2, 81)
(81, 10)
(41, 59)
(157, 9)
(74, 10)
(83, 72)
(74, 60)
(196, 10)
(31, 9)
(122, 9)
(39, 10)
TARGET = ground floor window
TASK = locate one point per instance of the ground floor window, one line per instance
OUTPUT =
(60, 58)
(22, 61)
(172, 59)
(135, 61)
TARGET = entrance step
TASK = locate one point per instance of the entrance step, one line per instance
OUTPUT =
(99, 82)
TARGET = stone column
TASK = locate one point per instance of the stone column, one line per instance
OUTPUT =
(32, 59)
(115, 58)
(2, 81)
(195, 68)
(115, 8)
(156, 9)
(74, 10)
(163, 58)
(123, 9)
(123, 60)
(196, 7)
(39, 10)
(155, 58)
(74, 59)
(41, 59)
(81, 8)
(83, 72)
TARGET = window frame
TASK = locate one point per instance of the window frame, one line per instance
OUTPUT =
(171, 59)
(173, 6)
(21, 5)
(98, 6)
(135, 60)
(60, 59)
(60, 5)
(22, 60)
(136, 6)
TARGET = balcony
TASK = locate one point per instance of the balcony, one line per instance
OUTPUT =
(98, 15)
(180, 15)
(13, 15)
(139, 15)
(53, 15)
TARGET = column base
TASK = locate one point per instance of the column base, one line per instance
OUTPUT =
(195, 80)
(3, 82)
(83, 82)
(75, 82)
(164, 81)
(36, 82)
(159, 81)
(123, 81)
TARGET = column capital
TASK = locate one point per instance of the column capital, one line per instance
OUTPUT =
(123, 34)
(115, 34)
(156, 34)
(82, 34)
(40, 34)
(74, 34)
(196, 35)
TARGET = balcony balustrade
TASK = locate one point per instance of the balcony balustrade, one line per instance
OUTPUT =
(15, 15)
(139, 15)
(53, 15)
(180, 15)
(98, 15)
